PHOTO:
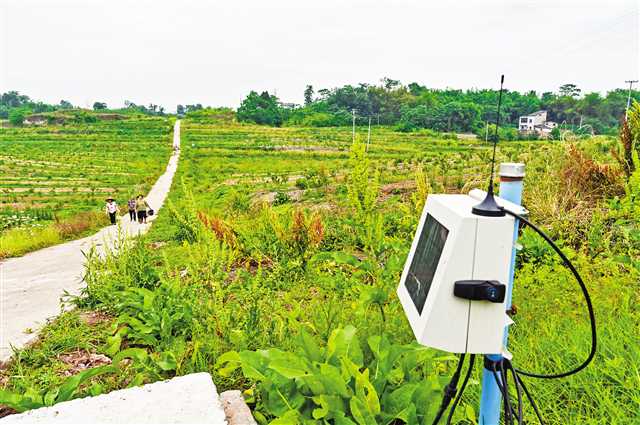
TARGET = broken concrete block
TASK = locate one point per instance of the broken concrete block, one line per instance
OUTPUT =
(189, 399)
(237, 411)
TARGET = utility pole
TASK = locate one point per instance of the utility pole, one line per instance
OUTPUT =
(368, 135)
(626, 112)
(353, 131)
(486, 133)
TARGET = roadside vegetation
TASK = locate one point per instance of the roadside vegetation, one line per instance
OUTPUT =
(275, 263)
(55, 176)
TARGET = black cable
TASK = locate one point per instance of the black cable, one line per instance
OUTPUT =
(494, 371)
(585, 293)
(450, 390)
(508, 408)
(507, 365)
(518, 389)
(472, 360)
(533, 403)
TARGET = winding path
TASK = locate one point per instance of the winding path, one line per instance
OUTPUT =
(31, 286)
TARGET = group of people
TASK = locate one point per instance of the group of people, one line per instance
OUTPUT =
(138, 209)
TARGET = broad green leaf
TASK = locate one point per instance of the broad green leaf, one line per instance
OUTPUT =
(309, 347)
(330, 406)
(287, 370)
(406, 415)
(341, 419)
(360, 412)
(113, 345)
(137, 354)
(344, 343)
(50, 396)
(344, 258)
(289, 418)
(167, 361)
(96, 389)
(231, 360)
(259, 417)
(470, 413)
(364, 388)
(71, 385)
(18, 402)
(333, 381)
(400, 399)
(252, 364)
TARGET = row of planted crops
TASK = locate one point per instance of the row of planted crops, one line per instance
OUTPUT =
(54, 179)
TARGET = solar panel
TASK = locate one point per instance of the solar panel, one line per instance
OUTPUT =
(425, 261)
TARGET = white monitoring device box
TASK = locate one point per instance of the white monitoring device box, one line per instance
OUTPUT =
(452, 245)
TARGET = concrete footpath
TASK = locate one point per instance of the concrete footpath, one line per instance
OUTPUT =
(31, 286)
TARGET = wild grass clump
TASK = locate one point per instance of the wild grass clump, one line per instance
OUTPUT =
(21, 240)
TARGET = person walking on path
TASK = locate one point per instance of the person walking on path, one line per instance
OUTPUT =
(141, 208)
(112, 210)
(132, 209)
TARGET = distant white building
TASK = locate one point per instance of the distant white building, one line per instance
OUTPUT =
(536, 122)
(529, 122)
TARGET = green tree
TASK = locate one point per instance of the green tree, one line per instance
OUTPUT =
(16, 116)
(308, 95)
(97, 106)
(570, 90)
(261, 109)
(13, 99)
(64, 104)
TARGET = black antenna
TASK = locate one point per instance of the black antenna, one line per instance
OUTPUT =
(488, 207)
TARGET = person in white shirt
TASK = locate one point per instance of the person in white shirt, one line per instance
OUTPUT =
(112, 210)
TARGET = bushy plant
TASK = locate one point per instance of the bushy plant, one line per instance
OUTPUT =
(362, 187)
(185, 217)
(281, 198)
(340, 382)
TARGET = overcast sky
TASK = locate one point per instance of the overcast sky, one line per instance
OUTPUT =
(214, 52)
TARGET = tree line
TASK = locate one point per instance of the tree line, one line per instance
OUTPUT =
(16, 107)
(414, 106)
(406, 107)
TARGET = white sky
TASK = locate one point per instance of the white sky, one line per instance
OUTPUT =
(214, 51)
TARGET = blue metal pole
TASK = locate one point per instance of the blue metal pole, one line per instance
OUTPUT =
(511, 182)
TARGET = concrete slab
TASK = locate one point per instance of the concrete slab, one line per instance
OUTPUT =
(31, 286)
(190, 399)
(237, 411)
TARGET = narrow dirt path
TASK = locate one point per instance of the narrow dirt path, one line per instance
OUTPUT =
(31, 286)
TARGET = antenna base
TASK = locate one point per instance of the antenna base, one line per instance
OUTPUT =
(488, 207)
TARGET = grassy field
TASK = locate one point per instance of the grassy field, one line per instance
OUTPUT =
(54, 178)
(275, 264)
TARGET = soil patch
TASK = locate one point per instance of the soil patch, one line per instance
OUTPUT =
(269, 197)
(397, 188)
(6, 411)
(93, 318)
(82, 360)
(289, 148)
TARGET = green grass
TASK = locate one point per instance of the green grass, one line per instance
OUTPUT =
(221, 270)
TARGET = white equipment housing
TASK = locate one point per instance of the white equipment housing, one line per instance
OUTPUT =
(452, 244)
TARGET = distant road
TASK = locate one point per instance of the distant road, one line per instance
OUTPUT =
(31, 286)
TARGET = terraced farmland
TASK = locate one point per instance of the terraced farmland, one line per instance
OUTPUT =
(311, 165)
(61, 173)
